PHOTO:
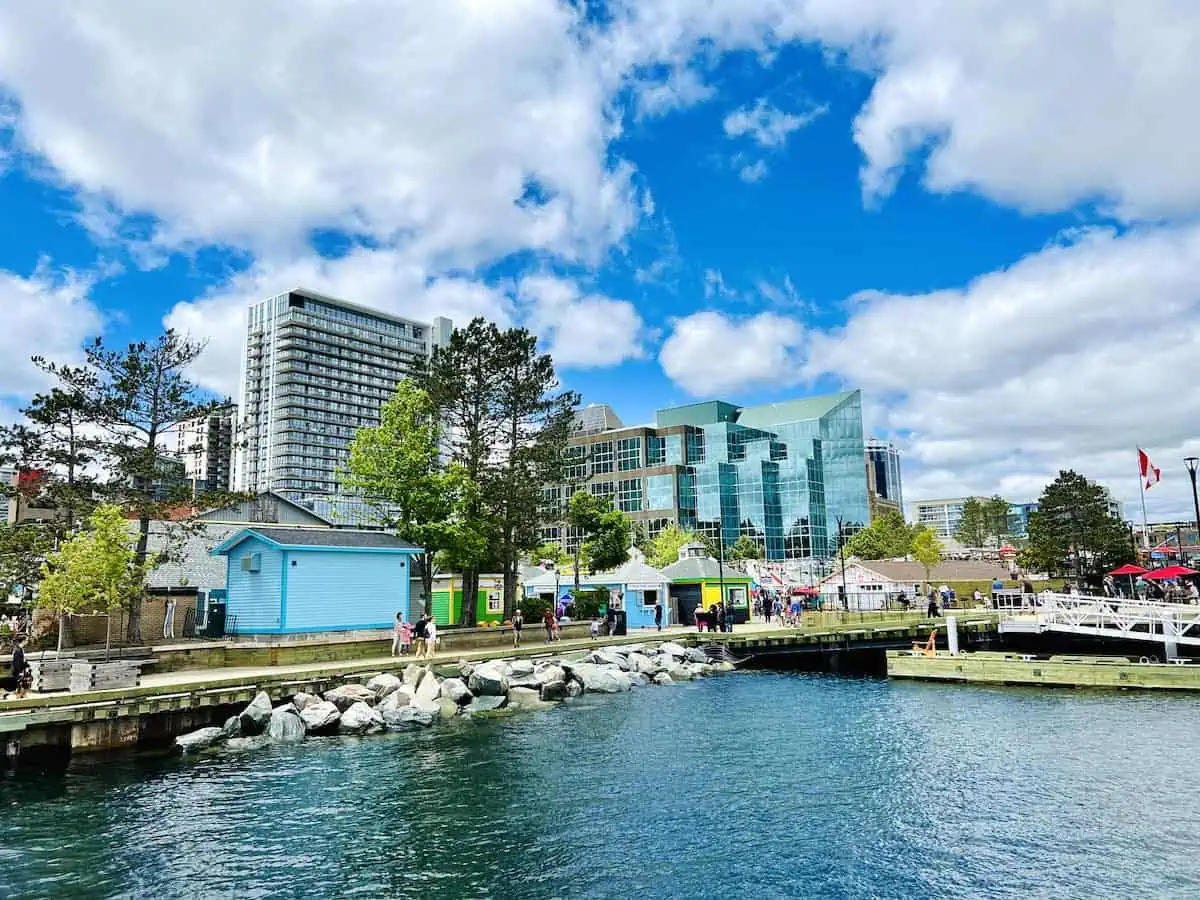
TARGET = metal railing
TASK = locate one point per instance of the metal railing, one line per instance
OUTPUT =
(1115, 617)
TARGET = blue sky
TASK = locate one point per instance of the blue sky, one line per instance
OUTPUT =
(984, 217)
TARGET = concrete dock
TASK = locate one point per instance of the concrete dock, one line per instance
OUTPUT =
(1047, 671)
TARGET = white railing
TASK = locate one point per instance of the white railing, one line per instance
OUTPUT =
(1115, 617)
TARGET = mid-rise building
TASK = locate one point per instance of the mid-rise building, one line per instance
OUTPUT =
(316, 369)
(8, 477)
(205, 445)
(883, 478)
(943, 516)
(785, 474)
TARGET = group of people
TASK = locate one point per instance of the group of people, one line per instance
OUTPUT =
(784, 609)
(419, 638)
(717, 617)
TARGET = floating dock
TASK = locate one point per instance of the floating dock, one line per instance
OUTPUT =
(985, 667)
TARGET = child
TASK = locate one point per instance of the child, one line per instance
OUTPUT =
(406, 637)
(595, 628)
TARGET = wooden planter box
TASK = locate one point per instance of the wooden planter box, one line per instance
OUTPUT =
(89, 676)
(51, 674)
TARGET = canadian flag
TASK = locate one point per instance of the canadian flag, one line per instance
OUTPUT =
(1150, 475)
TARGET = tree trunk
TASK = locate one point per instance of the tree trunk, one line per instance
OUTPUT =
(575, 563)
(133, 631)
(425, 562)
(510, 590)
(470, 601)
(62, 627)
(107, 632)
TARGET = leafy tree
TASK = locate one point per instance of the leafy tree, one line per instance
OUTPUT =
(96, 569)
(137, 396)
(605, 532)
(887, 537)
(396, 467)
(534, 423)
(551, 551)
(972, 528)
(23, 550)
(665, 547)
(927, 550)
(1072, 530)
(995, 517)
(745, 548)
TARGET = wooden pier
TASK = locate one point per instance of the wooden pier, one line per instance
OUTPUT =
(1046, 671)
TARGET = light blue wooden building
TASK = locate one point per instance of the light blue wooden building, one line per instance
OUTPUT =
(284, 580)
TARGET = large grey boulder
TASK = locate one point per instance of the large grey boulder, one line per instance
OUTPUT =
(346, 695)
(240, 744)
(696, 655)
(384, 684)
(429, 689)
(200, 739)
(610, 658)
(638, 679)
(527, 697)
(407, 717)
(553, 691)
(670, 648)
(723, 666)
(301, 700)
(447, 708)
(680, 673)
(574, 688)
(394, 701)
(433, 707)
(524, 681)
(454, 689)
(700, 670)
(519, 667)
(663, 678)
(639, 662)
(321, 717)
(601, 679)
(360, 719)
(485, 704)
(413, 674)
(257, 714)
(547, 674)
(465, 668)
(488, 680)
(233, 727)
(286, 726)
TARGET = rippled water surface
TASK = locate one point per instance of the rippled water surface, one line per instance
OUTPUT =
(757, 785)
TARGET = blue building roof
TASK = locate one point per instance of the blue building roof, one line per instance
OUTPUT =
(320, 539)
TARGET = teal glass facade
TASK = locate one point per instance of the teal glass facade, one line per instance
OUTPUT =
(784, 474)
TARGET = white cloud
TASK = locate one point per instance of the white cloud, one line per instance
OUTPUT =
(709, 353)
(767, 125)
(581, 330)
(422, 124)
(1071, 357)
(754, 172)
(49, 314)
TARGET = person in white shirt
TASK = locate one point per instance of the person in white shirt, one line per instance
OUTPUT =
(430, 638)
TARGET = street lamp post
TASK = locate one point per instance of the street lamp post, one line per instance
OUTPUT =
(842, 558)
(1191, 462)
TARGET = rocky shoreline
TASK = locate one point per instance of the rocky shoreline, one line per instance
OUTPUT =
(424, 695)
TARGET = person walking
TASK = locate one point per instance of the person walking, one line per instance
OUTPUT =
(518, 622)
(430, 638)
(22, 675)
(658, 615)
(398, 634)
(548, 624)
(419, 636)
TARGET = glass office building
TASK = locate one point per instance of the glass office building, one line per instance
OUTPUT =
(317, 369)
(785, 474)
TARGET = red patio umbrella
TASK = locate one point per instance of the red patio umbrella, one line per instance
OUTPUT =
(1169, 572)
(1129, 569)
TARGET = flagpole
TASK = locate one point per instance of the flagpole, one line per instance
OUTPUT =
(1142, 491)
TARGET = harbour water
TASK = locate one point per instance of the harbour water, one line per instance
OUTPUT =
(755, 785)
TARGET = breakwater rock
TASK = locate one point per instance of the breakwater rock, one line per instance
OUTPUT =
(423, 695)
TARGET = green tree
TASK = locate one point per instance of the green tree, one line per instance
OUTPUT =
(137, 396)
(745, 547)
(551, 551)
(396, 467)
(995, 517)
(97, 569)
(535, 420)
(23, 550)
(665, 547)
(972, 530)
(887, 537)
(1073, 531)
(927, 550)
(605, 533)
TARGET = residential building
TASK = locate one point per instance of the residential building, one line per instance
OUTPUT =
(785, 474)
(205, 444)
(942, 516)
(281, 580)
(875, 584)
(883, 478)
(316, 369)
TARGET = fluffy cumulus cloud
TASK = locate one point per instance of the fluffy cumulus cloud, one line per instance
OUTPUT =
(581, 330)
(48, 313)
(1071, 357)
(709, 353)
(464, 130)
